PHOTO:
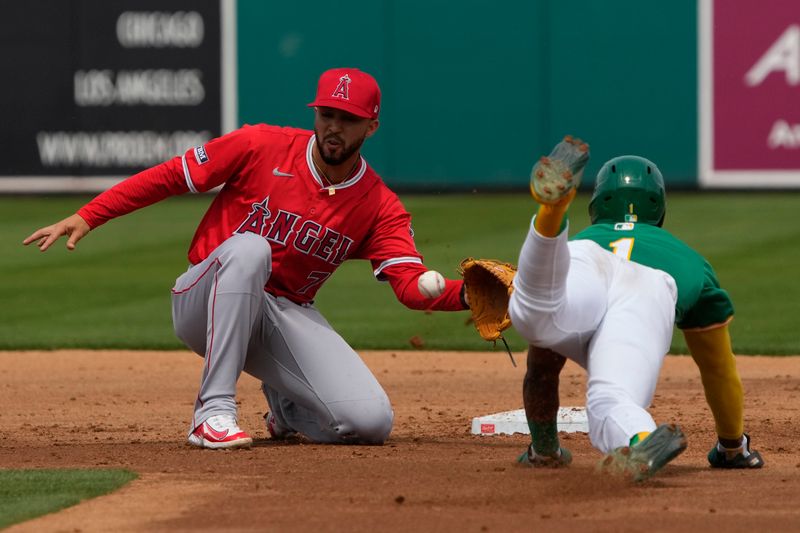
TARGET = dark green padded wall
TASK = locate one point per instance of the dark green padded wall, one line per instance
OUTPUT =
(474, 91)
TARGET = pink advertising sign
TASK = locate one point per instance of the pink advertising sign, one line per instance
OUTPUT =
(749, 93)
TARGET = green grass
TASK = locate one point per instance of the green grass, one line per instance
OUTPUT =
(113, 291)
(26, 494)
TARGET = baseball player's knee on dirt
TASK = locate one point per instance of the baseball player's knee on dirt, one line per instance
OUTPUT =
(369, 424)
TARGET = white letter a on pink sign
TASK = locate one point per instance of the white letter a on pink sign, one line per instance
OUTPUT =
(784, 54)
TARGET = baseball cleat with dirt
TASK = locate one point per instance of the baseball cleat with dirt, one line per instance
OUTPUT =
(642, 460)
(529, 457)
(742, 457)
(554, 176)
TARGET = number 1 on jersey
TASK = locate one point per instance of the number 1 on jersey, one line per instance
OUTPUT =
(622, 247)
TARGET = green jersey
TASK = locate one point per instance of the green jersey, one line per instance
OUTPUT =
(701, 301)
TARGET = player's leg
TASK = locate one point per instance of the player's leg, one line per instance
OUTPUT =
(626, 354)
(625, 358)
(215, 305)
(540, 399)
(540, 308)
(560, 294)
(316, 384)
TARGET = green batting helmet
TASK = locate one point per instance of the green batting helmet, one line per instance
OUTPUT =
(628, 189)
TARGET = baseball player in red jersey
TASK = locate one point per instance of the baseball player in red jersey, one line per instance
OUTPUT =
(294, 205)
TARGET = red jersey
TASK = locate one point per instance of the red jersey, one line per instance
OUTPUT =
(271, 187)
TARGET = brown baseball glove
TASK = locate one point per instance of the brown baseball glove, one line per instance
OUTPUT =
(488, 287)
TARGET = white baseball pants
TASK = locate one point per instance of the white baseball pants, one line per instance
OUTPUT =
(315, 382)
(611, 316)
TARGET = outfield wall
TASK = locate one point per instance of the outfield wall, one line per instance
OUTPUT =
(473, 95)
(473, 92)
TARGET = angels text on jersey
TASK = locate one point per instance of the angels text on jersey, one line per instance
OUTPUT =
(289, 229)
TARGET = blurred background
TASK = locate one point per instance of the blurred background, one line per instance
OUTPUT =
(473, 93)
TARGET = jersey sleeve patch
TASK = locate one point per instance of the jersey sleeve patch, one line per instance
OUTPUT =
(200, 155)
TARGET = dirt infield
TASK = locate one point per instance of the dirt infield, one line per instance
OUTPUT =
(132, 409)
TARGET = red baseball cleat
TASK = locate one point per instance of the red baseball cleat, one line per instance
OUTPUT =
(220, 432)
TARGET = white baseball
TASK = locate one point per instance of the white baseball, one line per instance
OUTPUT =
(431, 284)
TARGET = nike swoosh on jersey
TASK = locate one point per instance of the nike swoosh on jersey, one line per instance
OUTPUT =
(277, 172)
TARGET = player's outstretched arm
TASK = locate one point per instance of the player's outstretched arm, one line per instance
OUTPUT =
(711, 350)
(74, 227)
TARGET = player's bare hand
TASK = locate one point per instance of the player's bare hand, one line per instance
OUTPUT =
(74, 227)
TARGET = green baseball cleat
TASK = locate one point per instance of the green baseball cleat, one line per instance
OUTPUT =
(554, 176)
(642, 460)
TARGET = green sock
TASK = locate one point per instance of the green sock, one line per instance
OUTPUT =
(544, 437)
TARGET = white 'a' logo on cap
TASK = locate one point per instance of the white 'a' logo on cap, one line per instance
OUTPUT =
(343, 89)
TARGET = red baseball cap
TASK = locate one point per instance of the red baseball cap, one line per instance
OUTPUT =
(348, 89)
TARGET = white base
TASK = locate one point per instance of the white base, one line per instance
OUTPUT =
(570, 420)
